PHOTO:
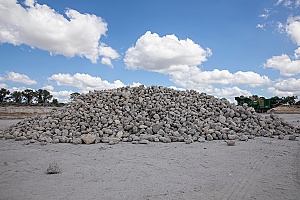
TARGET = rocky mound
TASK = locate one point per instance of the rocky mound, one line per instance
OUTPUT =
(141, 114)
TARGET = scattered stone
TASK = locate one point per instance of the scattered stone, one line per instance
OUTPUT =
(77, 141)
(231, 137)
(144, 142)
(53, 168)
(88, 138)
(32, 141)
(292, 137)
(244, 138)
(201, 139)
(188, 141)
(209, 137)
(280, 137)
(230, 142)
(26, 142)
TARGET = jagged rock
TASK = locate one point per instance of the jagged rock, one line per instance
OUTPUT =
(231, 137)
(292, 137)
(280, 137)
(230, 142)
(144, 142)
(201, 139)
(77, 141)
(88, 138)
(188, 141)
(53, 168)
(243, 138)
(209, 137)
(26, 142)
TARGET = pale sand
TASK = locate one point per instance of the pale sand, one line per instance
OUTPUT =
(261, 169)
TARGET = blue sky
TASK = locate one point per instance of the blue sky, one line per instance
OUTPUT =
(223, 48)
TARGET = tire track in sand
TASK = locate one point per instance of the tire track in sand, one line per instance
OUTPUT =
(239, 185)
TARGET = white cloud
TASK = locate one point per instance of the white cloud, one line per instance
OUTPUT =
(278, 2)
(264, 16)
(260, 26)
(164, 54)
(62, 96)
(284, 63)
(48, 87)
(287, 87)
(297, 53)
(201, 79)
(179, 59)
(286, 3)
(18, 78)
(84, 82)
(135, 84)
(41, 27)
(293, 29)
(280, 27)
(2, 85)
(106, 61)
(229, 93)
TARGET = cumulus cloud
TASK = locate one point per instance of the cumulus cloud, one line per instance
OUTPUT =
(84, 82)
(287, 65)
(18, 78)
(164, 54)
(203, 80)
(62, 96)
(179, 59)
(293, 29)
(48, 87)
(288, 3)
(41, 27)
(229, 93)
(284, 63)
(297, 53)
(2, 85)
(287, 87)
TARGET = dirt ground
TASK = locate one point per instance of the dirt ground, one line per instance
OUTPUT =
(260, 169)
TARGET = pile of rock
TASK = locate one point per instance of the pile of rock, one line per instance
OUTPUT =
(147, 114)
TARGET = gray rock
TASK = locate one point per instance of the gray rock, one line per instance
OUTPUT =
(77, 141)
(88, 138)
(230, 142)
(144, 142)
(201, 139)
(188, 141)
(292, 137)
(231, 137)
(280, 137)
(243, 138)
(165, 139)
(53, 168)
(209, 137)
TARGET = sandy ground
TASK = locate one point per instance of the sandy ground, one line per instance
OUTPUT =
(260, 169)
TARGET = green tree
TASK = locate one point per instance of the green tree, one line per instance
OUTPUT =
(29, 95)
(16, 96)
(55, 102)
(43, 96)
(275, 101)
(3, 93)
(74, 95)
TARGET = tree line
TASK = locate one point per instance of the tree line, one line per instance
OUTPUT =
(28, 97)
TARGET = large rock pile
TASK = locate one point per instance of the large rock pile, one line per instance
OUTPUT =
(141, 114)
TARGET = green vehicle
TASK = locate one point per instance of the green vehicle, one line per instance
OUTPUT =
(260, 104)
